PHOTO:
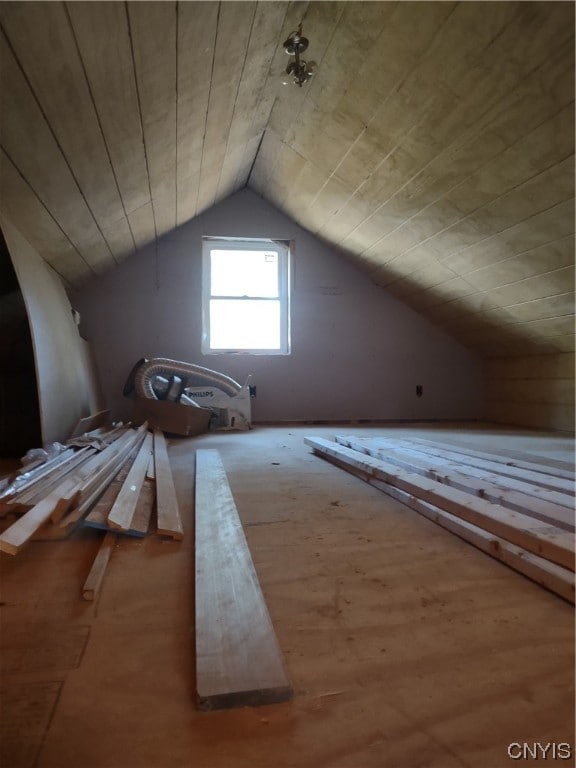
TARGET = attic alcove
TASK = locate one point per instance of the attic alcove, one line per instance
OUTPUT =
(357, 352)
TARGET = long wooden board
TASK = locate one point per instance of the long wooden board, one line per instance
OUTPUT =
(20, 532)
(169, 522)
(124, 507)
(551, 467)
(238, 659)
(97, 517)
(485, 485)
(93, 583)
(37, 492)
(502, 480)
(95, 475)
(555, 578)
(530, 476)
(89, 423)
(27, 478)
(548, 541)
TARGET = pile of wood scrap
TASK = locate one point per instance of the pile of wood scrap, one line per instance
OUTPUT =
(518, 511)
(107, 478)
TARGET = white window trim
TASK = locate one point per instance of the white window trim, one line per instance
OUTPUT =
(283, 250)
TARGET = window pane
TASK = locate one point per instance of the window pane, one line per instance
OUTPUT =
(244, 273)
(244, 324)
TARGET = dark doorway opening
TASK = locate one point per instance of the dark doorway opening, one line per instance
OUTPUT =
(19, 411)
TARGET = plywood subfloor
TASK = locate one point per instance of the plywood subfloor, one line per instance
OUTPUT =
(406, 647)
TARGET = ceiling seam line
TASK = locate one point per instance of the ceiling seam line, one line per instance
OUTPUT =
(397, 86)
(98, 120)
(56, 141)
(529, 74)
(176, 135)
(141, 117)
(207, 107)
(276, 159)
(236, 99)
(43, 204)
(481, 208)
(269, 77)
(407, 275)
(462, 181)
(489, 237)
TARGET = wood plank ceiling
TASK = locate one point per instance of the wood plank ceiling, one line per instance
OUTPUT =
(434, 145)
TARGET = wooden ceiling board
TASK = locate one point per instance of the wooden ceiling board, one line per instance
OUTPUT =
(539, 309)
(235, 24)
(52, 180)
(103, 38)
(27, 212)
(434, 145)
(243, 137)
(197, 25)
(543, 191)
(415, 204)
(38, 32)
(551, 224)
(294, 13)
(153, 41)
(412, 107)
(463, 191)
(291, 99)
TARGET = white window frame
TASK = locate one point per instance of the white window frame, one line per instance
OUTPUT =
(280, 247)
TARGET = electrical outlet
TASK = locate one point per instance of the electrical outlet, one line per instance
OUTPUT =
(419, 390)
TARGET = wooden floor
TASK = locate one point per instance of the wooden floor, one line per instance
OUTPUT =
(406, 647)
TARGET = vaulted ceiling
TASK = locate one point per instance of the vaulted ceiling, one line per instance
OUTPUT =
(434, 144)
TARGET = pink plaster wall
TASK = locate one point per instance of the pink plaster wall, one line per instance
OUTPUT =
(357, 352)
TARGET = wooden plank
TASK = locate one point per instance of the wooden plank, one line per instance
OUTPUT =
(547, 541)
(501, 481)
(238, 659)
(547, 468)
(551, 576)
(486, 487)
(143, 512)
(26, 478)
(41, 33)
(39, 490)
(262, 46)
(169, 522)
(124, 507)
(103, 37)
(22, 206)
(196, 40)
(89, 423)
(153, 37)
(234, 27)
(93, 583)
(507, 470)
(98, 514)
(19, 533)
(25, 126)
(97, 469)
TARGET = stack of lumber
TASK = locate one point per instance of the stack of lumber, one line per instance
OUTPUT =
(520, 512)
(104, 479)
(238, 659)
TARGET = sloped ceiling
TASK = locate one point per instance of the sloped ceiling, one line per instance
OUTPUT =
(434, 145)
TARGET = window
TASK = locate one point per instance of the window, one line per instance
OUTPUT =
(246, 291)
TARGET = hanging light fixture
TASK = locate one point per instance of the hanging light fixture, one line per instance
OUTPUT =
(298, 70)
